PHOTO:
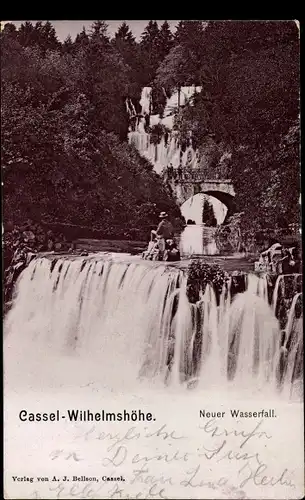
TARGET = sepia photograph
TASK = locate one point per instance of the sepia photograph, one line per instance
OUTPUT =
(152, 260)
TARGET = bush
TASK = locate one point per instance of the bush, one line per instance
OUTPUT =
(200, 273)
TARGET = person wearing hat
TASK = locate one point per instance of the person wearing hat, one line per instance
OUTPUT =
(165, 231)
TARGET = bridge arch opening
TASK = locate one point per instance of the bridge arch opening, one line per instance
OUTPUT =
(194, 182)
(192, 208)
(225, 199)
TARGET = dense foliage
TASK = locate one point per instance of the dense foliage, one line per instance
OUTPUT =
(65, 123)
(65, 157)
(21, 244)
(200, 274)
(249, 104)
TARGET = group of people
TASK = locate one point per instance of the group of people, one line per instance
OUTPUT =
(174, 173)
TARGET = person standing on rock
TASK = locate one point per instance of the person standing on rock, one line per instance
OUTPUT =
(165, 231)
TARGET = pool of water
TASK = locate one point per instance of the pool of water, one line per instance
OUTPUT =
(198, 239)
(194, 240)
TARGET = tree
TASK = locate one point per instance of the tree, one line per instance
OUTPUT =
(250, 79)
(61, 155)
(67, 46)
(150, 55)
(250, 102)
(124, 43)
(161, 42)
(166, 40)
(9, 30)
(42, 35)
(49, 37)
(171, 72)
(81, 39)
(182, 65)
(281, 196)
(99, 31)
(190, 36)
(107, 93)
(27, 34)
(150, 35)
(208, 216)
(267, 183)
(125, 34)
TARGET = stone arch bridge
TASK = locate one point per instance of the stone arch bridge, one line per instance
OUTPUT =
(186, 183)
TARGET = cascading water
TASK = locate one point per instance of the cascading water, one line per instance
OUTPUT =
(90, 310)
(116, 322)
(115, 333)
(257, 286)
(168, 150)
(293, 348)
(280, 287)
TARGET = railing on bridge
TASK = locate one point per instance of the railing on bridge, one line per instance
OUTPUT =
(181, 174)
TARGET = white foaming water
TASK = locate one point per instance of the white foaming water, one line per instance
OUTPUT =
(294, 337)
(280, 285)
(258, 353)
(166, 152)
(186, 93)
(98, 315)
(145, 101)
(196, 239)
(291, 315)
(257, 285)
(119, 334)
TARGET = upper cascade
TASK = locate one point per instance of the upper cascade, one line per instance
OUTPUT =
(168, 149)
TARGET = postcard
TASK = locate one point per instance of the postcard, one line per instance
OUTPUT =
(153, 320)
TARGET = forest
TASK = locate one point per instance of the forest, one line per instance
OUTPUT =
(65, 155)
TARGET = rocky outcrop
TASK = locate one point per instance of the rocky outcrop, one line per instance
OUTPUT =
(21, 244)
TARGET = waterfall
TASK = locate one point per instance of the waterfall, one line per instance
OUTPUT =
(254, 354)
(197, 239)
(276, 291)
(293, 348)
(279, 289)
(89, 309)
(257, 285)
(212, 368)
(145, 100)
(168, 150)
(119, 322)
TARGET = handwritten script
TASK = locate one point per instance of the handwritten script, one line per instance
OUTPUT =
(159, 462)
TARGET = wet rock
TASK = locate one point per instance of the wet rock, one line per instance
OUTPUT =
(21, 244)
